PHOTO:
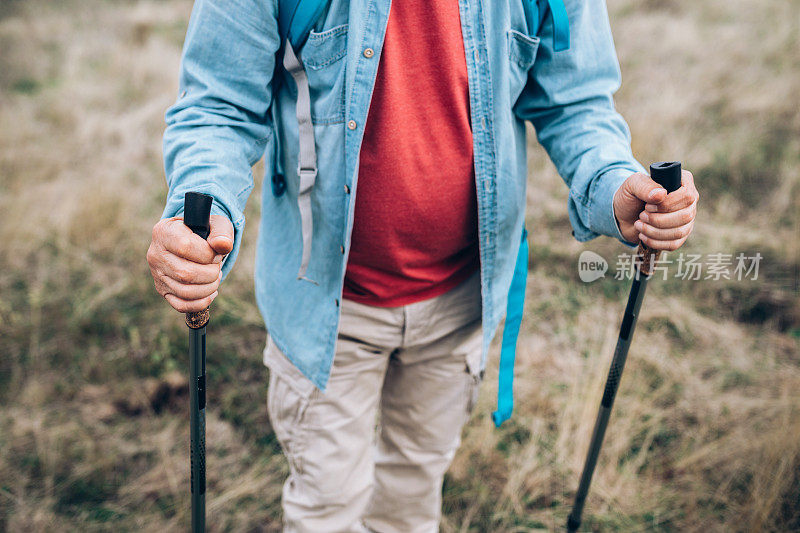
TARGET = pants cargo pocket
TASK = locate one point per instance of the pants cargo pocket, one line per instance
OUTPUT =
(472, 389)
(288, 397)
(474, 379)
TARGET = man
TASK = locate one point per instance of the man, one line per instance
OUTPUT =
(418, 107)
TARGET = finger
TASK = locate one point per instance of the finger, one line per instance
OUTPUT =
(189, 292)
(221, 237)
(674, 201)
(645, 189)
(667, 245)
(687, 178)
(660, 234)
(177, 238)
(669, 220)
(190, 306)
(187, 272)
(683, 197)
(158, 281)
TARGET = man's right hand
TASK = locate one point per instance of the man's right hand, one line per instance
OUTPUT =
(187, 269)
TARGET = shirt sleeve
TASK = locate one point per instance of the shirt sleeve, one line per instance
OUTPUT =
(569, 100)
(219, 126)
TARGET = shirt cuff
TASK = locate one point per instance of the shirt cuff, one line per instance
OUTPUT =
(601, 215)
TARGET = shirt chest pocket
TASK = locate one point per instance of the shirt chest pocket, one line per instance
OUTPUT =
(323, 60)
(521, 55)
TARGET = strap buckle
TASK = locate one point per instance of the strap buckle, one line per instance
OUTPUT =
(308, 176)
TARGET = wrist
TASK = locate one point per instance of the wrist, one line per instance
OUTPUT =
(606, 217)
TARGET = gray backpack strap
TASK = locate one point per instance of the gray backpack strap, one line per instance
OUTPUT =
(307, 155)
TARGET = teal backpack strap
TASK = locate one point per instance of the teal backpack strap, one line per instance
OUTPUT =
(560, 25)
(296, 18)
(514, 309)
(535, 15)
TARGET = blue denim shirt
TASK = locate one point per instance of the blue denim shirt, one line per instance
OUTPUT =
(229, 114)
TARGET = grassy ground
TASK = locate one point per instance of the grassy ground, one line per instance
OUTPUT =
(706, 430)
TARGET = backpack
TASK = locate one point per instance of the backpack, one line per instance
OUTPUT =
(296, 18)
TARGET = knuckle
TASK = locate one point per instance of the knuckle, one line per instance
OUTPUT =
(183, 275)
(153, 256)
(159, 230)
(184, 248)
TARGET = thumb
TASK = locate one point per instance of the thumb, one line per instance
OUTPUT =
(220, 238)
(645, 189)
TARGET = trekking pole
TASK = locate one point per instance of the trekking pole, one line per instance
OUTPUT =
(668, 175)
(196, 215)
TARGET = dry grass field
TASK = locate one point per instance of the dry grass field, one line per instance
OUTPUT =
(705, 435)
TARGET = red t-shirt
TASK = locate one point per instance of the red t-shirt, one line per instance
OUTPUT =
(415, 232)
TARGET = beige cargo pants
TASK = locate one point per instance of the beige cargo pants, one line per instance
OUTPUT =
(370, 453)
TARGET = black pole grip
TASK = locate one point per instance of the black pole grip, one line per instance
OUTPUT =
(197, 216)
(667, 174)
(197, 213)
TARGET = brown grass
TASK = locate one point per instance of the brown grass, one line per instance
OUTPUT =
(706, 429)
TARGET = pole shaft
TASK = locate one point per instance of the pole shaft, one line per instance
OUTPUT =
(668, 174)
(612, 384)
(197, 217)
(197, 419)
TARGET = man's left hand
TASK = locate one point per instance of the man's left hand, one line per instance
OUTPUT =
(646, 213)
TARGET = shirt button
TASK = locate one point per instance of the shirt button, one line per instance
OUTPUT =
(347, 189)
(369, 52)
(341, 249)
(351, 124)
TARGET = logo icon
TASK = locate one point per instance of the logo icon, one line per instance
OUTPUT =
(591, 266)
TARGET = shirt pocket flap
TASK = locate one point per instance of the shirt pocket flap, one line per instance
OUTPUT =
(324, 48)
(522, 48)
